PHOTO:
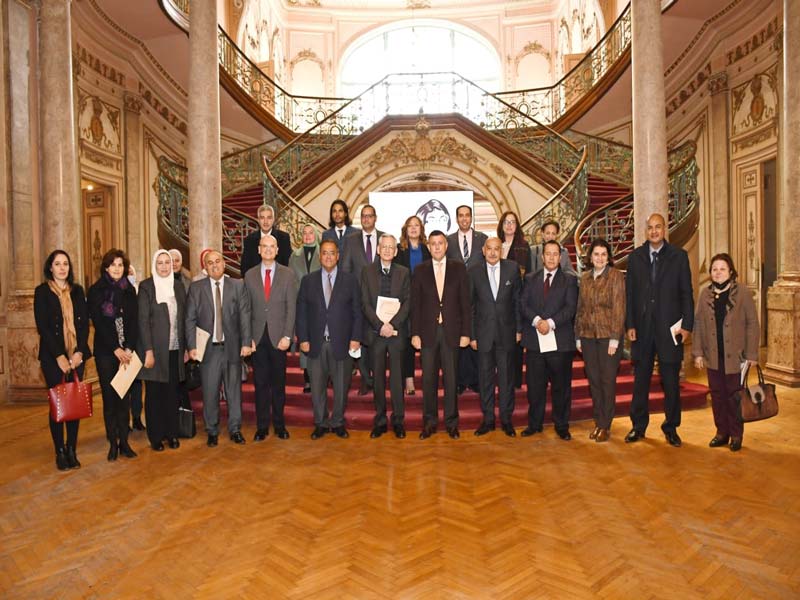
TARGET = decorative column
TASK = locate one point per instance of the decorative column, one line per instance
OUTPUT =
(783, 298)
(59, 150)
(720, 166)
(135, 217)
(650, 170)
(205, 208)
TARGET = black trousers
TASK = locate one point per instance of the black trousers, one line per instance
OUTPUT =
(500, 362)
(601, 371)
(135, 394)
(269, 377)
(543, 368)
(115, 409)
(395, 348)
(670, 382)
(467, 367)
(434, 357)
(161, 406)
(53, 375)
(408, 359)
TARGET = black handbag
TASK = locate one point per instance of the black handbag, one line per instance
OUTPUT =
(757, 402)
(193, 375)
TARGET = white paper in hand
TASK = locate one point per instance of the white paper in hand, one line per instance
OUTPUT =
(201, 339)
(547, 342)
(126, 374)
(675, 330)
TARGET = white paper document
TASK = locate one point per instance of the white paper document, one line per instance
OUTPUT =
(675, 330)
(201, 339)
(744, 370)
(547, 342)
(386, 308)
(126, 374)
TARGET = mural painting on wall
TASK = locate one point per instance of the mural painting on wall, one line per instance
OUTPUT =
(98, 123)
(755, 102)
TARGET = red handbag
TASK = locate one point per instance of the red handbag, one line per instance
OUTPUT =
(70, 400)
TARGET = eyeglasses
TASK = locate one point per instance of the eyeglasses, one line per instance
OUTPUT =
(509, 222)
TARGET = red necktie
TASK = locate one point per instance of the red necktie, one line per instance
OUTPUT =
(547, 285)
(267, 284)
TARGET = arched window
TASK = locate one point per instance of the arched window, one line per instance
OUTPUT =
(418, 47)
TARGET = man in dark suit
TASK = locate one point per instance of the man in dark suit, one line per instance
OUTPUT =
(266, 222)
(385, 279)
(329, 326)
(495, 288)
(340, 224)
(547, 308)
(660, 316)
(357, 251)
(466, 245)
(273, 299)
(441, 322)
(220, 306)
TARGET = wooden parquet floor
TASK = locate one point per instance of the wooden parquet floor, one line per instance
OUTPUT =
(488, 517)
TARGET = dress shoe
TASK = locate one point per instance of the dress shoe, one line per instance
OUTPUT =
(212, 440)
(237, 437)
(602, 435)
(529, 431)
(427, 432)
(634, 436)
(594, 433)
(113, 451)
(282, 433)
(399, 432)
(62, 464)
(484, 429)
(126, 450)
(718, 440)
(318, 432)
(341, 432)
(173, 443)
(138, 425)
(736, 444)
(364, 389)
(564, 435)
(159, 447)
(673, 439)
(377, 431)
(453, 433)
(261, 435)
(509, 430)
(72, 458)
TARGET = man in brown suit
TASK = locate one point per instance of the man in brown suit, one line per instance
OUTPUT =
(441, 322)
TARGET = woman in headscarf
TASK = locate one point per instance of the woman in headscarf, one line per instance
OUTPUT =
(113, 309)
(62, 320)
(162, 302)
(303, 261)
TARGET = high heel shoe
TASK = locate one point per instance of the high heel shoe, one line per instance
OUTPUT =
(126, 450)
(62, 463)
(113, 451)
(72, 458)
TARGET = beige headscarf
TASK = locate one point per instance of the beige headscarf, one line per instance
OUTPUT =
(165, 286)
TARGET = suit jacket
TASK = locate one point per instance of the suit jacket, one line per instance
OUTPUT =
(105, 330)
(330, 234)
(495, 321)
(279, 312)
(561, 304)
(456, 252)
(297, 262)
(454, 306)
(251, 257)
(537, 264)
(343, 315)
(404, 256)
(154, 330)
(50, 321)
(653, 308)
(235, 315)
(400, 288)
(351, 252)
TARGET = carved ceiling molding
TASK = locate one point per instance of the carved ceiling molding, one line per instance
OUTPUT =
(530, 48)
(306, 54)
(755, 41)
(85, 57)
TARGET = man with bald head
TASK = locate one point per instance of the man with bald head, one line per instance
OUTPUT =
(659, 318)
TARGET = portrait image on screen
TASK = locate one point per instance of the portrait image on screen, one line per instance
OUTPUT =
(436, 210)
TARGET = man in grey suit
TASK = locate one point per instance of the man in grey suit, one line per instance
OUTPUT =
(386, 279)
(272, 289)
(466, 245)
(220, 306)
(357, 251)
(495, 289)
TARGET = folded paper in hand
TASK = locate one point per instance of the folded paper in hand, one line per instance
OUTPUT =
(386, 308)
(126, 374)
(201, 340)
(675, 330)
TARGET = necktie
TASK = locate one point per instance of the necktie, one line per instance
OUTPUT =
(653, 266)
(440, 285)
(369, 248)
(386, 272)
(340, 232)
(493, 281)
(547, 285)
(267, 284)
(466, 249)
(218, 335)
(328, 289)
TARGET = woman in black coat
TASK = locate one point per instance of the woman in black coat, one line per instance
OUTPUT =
(113, 309)
(62, 320)
(162, 302)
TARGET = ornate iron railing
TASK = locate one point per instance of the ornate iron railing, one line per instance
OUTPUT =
(605, 158)
(548, 104)
(615, 221)
(241, 170)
